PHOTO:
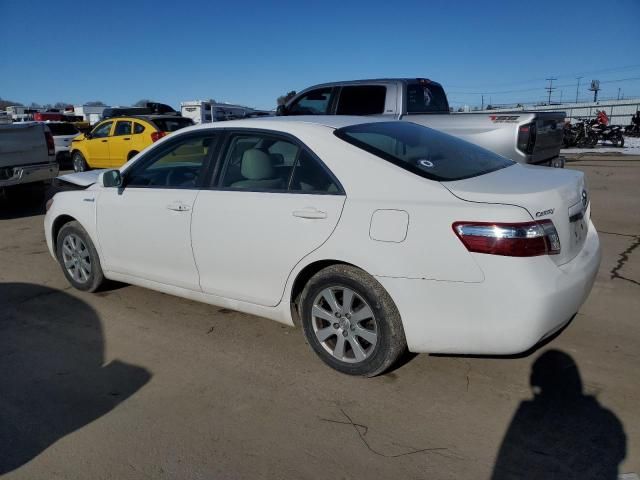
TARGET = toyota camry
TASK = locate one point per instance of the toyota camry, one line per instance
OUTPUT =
(374, 236)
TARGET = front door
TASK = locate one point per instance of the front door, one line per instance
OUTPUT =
(272, 204)
(98, 145)
(144, 227)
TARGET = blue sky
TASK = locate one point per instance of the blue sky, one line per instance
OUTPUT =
(252, 52)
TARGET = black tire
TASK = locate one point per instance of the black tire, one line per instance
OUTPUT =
(621, 141)
(87, 283)
(131, 155)
(592, 139)
(79, 163)
(390, 340)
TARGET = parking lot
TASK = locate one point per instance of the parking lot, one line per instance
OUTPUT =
(133, 384)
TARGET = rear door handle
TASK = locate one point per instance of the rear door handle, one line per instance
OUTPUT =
(311, 213)
(126, 139)
(179, 207)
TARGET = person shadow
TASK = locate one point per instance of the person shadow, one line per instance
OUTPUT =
(562, 433)
(53, 379)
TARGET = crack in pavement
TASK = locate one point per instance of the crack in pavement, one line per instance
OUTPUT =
(624, 257)
(358, 427)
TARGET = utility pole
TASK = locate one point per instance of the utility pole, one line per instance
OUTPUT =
(482, 107)
(550, 88)
(578, 88)
(618, 93)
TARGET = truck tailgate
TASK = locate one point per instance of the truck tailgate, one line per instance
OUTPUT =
(22, 144)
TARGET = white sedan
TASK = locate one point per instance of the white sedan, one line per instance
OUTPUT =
(375, 236)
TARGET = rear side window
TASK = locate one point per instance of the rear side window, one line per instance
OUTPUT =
(362, 100)
(311, 177)
(426, 98)
(423, 151)
(172, 124)
(122, 128)
(315, 102)
(138, 128)
(62, 129)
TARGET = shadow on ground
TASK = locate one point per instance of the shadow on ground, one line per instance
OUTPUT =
(53, 380)
(562, 433)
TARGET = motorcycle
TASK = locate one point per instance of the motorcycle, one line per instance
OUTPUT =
(579, 135)
(609, 133)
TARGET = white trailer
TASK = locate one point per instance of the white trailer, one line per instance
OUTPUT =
(90, 113)
(201, 111)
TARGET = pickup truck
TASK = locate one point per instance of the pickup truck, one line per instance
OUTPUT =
(27, 154)
(525, 137)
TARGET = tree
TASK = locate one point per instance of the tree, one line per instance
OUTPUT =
(7, 103)
(62, 105)
(95, 103)
(285, 98)
(142, 103)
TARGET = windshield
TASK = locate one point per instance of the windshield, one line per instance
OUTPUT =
(172, 124)
(426, 98)
(62, 129)
(423, 151)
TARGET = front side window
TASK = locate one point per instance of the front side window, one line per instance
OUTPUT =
(362, 100)
(423, 151)
(122, 128)
(315, 102)
(179, 166)
(102, 130)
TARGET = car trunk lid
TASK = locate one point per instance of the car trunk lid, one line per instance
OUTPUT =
(546, 193)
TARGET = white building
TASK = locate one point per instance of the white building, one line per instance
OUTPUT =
(90, 113)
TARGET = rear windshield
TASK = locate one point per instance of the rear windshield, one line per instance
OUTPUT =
(423, 151)
(62, 129)
(172, 124)
(426, 98)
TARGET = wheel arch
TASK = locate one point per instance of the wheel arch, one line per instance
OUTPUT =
(303, 277)
(57, 224)
(132, 154)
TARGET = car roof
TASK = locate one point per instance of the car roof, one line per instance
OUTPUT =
(330, 121)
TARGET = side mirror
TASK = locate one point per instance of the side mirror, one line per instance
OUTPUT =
(110, 178)
(281, 110)
(88, 135)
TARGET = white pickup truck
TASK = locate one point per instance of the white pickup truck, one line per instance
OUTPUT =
(27, 154)
(525, 137)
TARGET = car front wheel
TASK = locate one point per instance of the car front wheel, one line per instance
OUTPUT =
(79, 163)
(78, 258)
(351, 321)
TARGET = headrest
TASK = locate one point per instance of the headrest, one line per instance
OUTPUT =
(256, 165)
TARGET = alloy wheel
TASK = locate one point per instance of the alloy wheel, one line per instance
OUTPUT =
(76, 258)
(344, 324)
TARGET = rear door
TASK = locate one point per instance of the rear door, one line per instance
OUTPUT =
(271, 202)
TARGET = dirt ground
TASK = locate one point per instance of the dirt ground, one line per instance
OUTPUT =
(133, 384)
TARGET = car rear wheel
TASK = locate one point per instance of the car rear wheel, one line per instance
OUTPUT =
(351, 322)
(131, 155)
(79, 163)
(78, 258)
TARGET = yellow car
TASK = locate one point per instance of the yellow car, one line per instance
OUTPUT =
(114, 141)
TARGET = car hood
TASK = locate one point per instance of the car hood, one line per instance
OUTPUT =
(83, 179)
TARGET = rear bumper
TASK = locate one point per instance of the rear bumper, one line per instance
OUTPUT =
(29, 174)
(520, 302)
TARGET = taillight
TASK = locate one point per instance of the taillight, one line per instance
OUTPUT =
(509, 239)
(51, 146)
(527, 138)
(155, 136)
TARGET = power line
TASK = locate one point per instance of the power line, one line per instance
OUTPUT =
(521, 82)
(550, 88)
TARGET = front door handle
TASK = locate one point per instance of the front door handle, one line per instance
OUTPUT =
(312, 213)
(126, 139)
(179, 207)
